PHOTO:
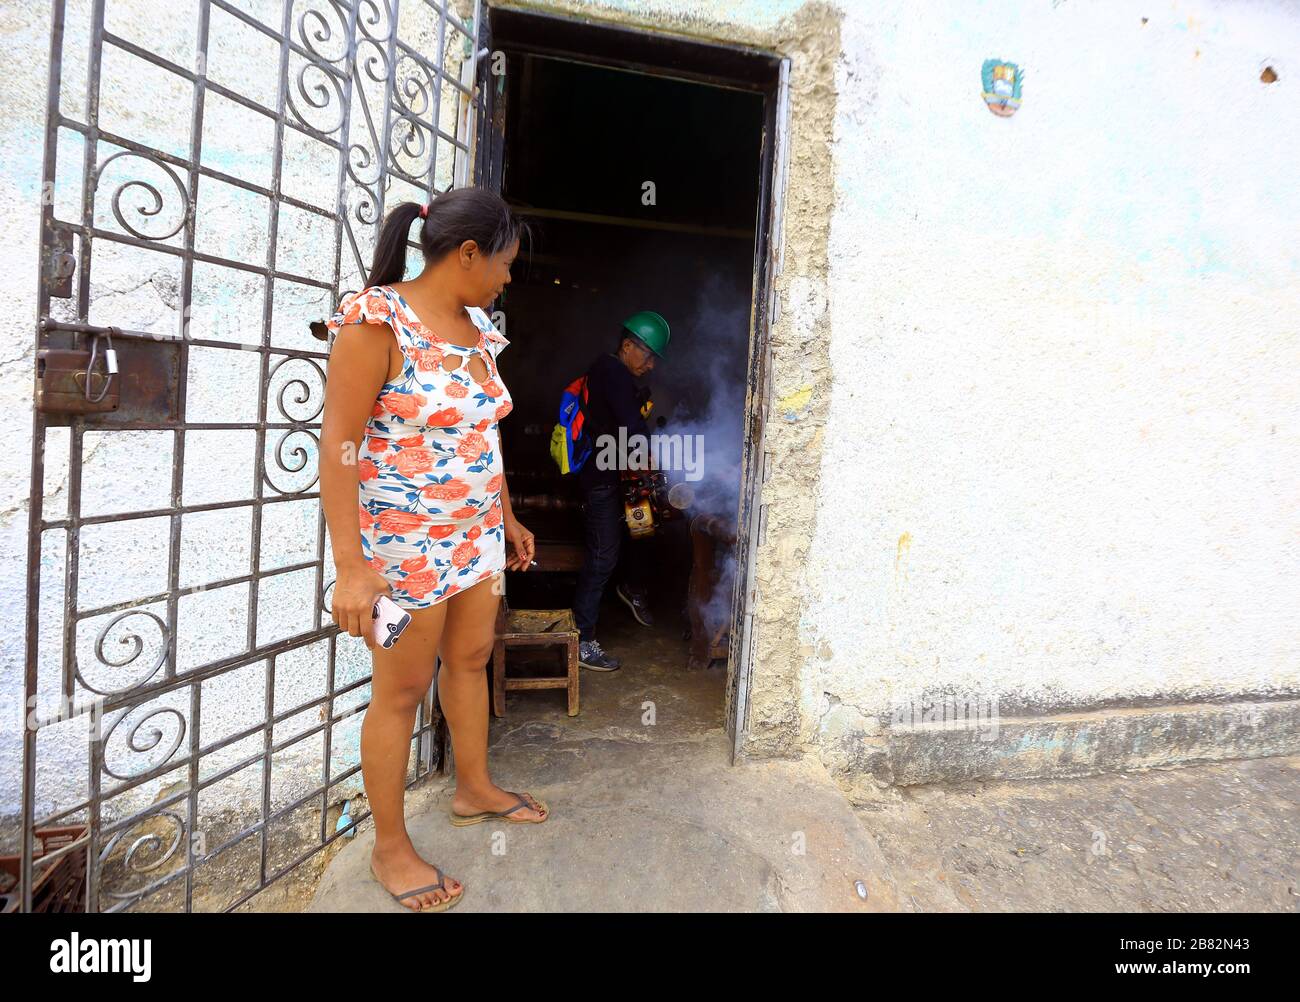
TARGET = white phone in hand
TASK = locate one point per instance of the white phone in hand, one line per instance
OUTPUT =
(389, 620)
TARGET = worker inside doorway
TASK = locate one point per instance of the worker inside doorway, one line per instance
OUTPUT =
(614, 403)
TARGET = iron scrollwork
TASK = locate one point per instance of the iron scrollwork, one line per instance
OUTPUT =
(142, 744)
(319, 85)
(152, 193)
(130, 862)
(136, 645)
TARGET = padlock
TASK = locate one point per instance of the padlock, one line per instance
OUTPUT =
(66, 383)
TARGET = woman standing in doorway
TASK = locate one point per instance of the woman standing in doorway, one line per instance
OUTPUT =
(413, 489)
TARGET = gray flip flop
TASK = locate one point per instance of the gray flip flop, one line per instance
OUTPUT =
(461, 820)
(441, 906)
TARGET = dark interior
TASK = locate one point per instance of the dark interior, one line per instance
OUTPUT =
(580, 141)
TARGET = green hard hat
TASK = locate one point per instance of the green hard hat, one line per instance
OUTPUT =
(650, 328)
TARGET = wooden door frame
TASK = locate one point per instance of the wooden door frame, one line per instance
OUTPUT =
(678, 57)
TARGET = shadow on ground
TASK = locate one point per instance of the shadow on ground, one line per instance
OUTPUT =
(647, 813)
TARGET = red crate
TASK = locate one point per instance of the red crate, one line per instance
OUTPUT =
(59, 887)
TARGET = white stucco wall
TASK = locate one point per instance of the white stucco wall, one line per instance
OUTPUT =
(1061, 455)
(1058, 464)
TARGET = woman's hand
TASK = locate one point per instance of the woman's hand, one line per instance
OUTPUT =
(520, 542)
(355, 592)
(358, 366)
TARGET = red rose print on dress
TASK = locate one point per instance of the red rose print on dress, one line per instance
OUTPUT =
(409, 462)
(429, 479)
(445, 418)
(451, 490)
(353, 313)
(420, 583)
(427, 359)
(463, 554)
(471, 447)
(397, 521)
(404, 405)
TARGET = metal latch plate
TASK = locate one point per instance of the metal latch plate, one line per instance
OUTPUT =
(61, 377)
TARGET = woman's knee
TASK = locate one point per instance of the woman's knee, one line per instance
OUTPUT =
(400, 695)
(468, 656)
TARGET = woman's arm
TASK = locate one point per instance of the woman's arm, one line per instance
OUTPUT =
(358, 367)
(519, 538)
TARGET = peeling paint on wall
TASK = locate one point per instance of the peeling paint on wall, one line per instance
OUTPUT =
(904, 545)
(792, 403)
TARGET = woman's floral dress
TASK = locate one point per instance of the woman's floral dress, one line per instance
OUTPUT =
(429, 470)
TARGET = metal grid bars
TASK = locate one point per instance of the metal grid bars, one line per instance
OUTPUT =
(214, 178)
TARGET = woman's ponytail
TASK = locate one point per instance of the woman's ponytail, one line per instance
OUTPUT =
(453, 217)
(390, 251)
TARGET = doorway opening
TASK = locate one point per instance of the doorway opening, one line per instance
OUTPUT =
(645, 167)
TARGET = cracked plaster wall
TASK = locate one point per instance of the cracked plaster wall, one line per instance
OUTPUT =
(1033, 434)
(1063, 434)
(1033, 421)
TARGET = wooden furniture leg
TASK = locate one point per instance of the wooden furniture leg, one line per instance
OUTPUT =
(571, 651)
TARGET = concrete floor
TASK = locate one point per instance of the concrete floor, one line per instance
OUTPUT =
(647, 814)
(1220, 837)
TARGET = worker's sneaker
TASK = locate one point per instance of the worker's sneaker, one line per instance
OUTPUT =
(591, 656)
(637, 604)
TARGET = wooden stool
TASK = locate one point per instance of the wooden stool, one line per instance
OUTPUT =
(534, 628)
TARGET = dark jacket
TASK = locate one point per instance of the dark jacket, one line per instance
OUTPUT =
(611, 403)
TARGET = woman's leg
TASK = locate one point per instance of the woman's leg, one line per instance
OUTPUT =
(401, 677)
(467, 640)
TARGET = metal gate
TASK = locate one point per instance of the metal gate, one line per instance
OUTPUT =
(214, 176)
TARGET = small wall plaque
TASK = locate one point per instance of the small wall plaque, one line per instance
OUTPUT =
(1002, 82)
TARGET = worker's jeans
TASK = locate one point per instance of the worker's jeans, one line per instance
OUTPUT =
(602, 510)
